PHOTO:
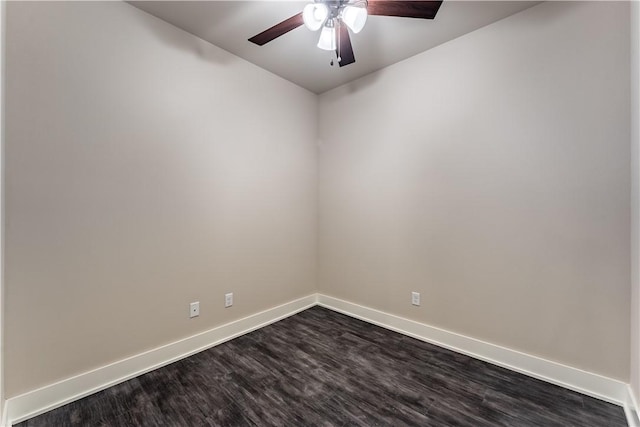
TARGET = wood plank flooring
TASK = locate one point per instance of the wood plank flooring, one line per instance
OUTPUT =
(321, 368)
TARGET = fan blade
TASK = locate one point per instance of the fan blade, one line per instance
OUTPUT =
(345, 50)
(277, 30)
(407, 9)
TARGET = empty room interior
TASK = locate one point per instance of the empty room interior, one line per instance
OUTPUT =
(320, 213)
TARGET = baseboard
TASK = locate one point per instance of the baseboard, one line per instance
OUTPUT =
(588, 383)
(33, 403)
(38, 401)
(4, 420)
(631, 409)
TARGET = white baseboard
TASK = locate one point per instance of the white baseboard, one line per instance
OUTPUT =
(33, 403)
(38, 401)
(4, 420)
(588, 383)
(631, 409)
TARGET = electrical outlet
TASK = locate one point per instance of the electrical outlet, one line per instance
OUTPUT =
(228, 299)
(415, 298)
(194, 309)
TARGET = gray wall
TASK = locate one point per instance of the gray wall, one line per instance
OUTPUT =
(145, 169)
(3, 27)
(491, 174)
(635, 199)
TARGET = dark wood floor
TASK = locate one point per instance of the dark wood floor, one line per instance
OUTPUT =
(321, 368)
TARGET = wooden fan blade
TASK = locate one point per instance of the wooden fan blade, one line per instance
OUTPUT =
(407, 9)
(277, 30)
(345, 50)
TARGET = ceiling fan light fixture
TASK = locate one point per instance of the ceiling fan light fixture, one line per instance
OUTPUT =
(314, 15)
(340, 18)
(355, 17)
(327, 39)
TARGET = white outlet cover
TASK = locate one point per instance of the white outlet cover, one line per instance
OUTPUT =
(194, 309)
(228, 299)
(415, 298)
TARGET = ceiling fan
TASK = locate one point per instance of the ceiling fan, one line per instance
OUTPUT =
(337, 17)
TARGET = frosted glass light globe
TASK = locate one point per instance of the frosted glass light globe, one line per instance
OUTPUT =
(314, 15)
(355, 17)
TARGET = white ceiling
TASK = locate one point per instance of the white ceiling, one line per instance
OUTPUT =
(295, 57)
